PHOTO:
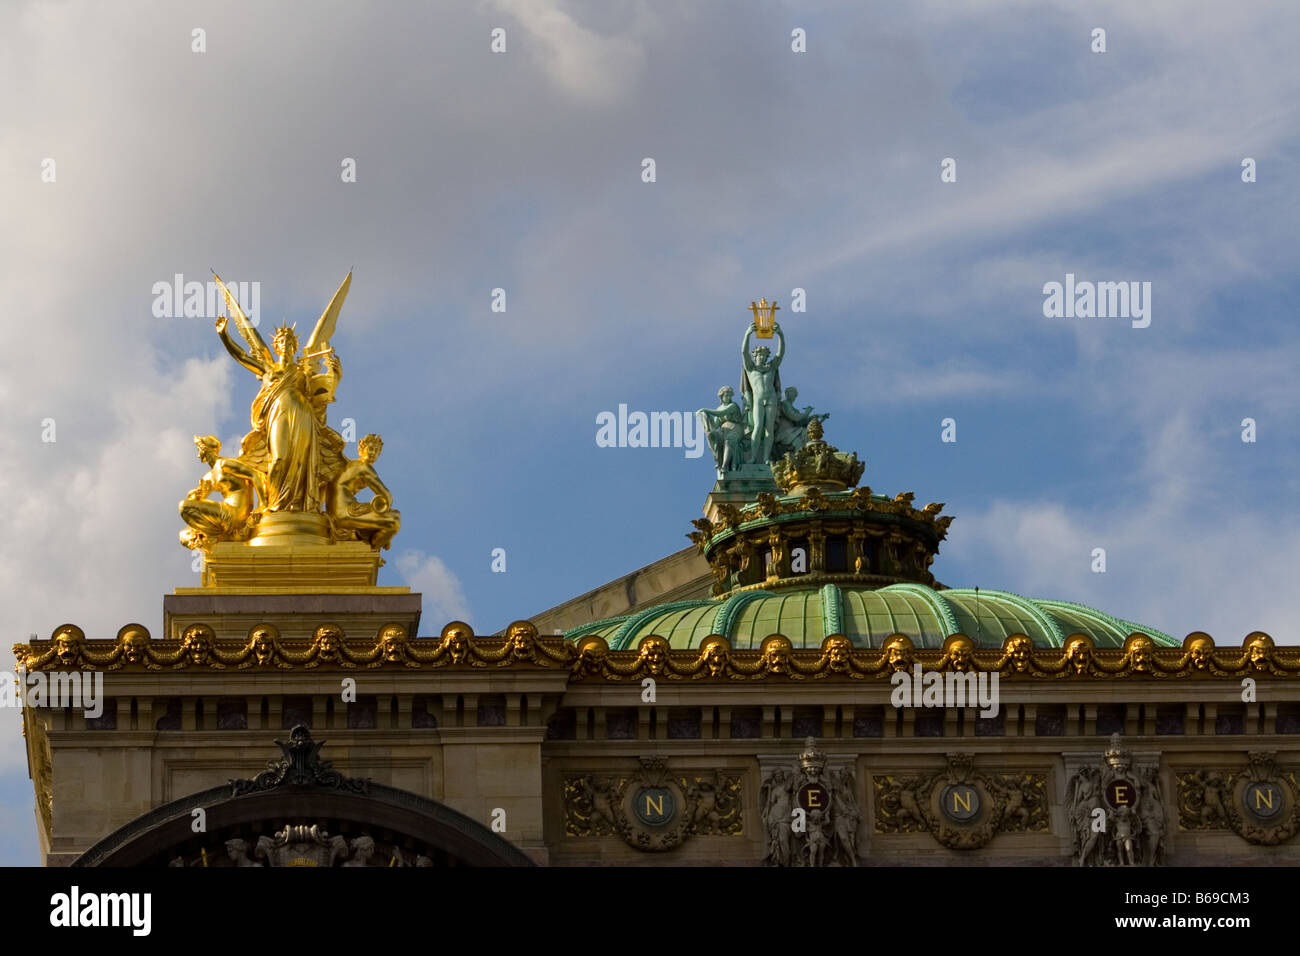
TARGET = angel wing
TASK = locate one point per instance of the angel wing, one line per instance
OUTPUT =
(246, 328)
(324, 331)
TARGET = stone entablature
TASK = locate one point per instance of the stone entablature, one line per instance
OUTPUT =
(511, 722)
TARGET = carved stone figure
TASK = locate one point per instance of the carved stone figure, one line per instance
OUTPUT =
(817, 839)
(1124, 827)
(829, 832)
(846, 817)
(237, 850)
(363, 849)
(1117, 811)
(1151, 815)
(1084, 797)
(776, 797)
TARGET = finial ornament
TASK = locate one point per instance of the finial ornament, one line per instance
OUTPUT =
(817, 465)
(291, 481)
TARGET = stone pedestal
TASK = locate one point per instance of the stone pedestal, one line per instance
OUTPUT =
(291, 566)
(740, 487)
(232, 614)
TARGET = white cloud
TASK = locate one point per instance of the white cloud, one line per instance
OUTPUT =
(1173, 572)
(588, 66)
(443, 598)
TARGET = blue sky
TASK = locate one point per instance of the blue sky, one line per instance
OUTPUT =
(775, 170)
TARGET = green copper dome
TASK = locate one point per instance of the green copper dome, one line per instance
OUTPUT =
(867, 616)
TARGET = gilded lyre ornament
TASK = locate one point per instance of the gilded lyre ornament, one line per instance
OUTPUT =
(764, 317)
(291, 481)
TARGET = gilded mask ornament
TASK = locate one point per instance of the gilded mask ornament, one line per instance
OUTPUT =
(135, 644)
(196, 644)
(520, 638)
(1020, 653)
(776, 654)
(67, 645)
(328, 640)
(961, 654)
(455, 638)
(654, 653)
(392, 643)
(1079, 653)
(1198, 652)
(898, 653)
(591, 654)
(838, 653)
(1260, 651)
(1141, 654)
(714, 656)
(263, 643)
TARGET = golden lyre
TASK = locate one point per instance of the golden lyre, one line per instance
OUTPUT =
(764, 317)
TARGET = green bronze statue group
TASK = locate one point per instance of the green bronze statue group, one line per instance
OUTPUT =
(768, 426)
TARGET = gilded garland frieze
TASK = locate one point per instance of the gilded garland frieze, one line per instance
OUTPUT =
(715, 660)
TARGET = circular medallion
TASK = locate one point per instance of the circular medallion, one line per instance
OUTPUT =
(960, 802)
(813, 796)
(1264, 801)
(1120, 793)
(654, 806)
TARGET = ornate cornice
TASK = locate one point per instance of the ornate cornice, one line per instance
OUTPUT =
(816, 503)
(330, 647)
(590, 659)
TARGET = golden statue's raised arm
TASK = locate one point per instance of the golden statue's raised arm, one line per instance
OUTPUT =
(240, 356)
(259, 358)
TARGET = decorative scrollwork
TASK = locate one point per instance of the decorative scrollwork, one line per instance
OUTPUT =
(301, 766)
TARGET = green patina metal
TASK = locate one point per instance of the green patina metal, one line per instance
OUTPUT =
(724, 620)
(1122, 628)
(1049, 628)
(867, 616)
(622, 638)
(832, 610)
(935, 599)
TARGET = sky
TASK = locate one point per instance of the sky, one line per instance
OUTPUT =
(129, 155)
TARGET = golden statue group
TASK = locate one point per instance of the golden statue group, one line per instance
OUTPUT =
(291, 481)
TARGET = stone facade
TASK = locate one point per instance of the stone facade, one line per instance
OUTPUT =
(524, 725)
